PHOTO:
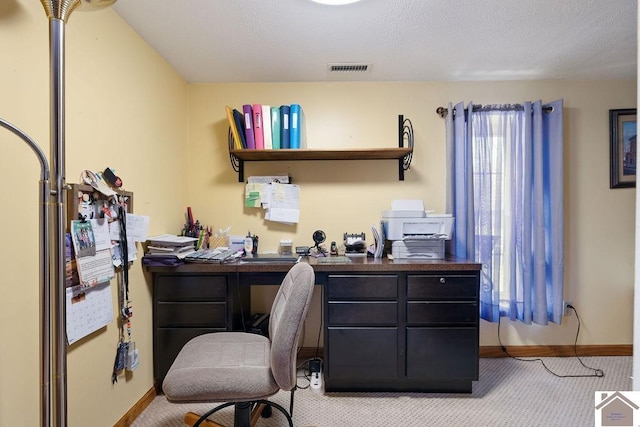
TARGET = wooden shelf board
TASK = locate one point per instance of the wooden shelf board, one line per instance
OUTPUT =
(310, 154)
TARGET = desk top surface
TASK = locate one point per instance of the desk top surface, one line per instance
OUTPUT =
(358, 264)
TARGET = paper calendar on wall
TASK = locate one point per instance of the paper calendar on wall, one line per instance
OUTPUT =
(88, 309)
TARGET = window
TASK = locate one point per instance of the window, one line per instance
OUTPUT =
(505, 190)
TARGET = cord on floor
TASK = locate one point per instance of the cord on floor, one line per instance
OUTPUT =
(303, 371)
(596, 371)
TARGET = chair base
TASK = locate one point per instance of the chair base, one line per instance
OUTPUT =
(191, 419)
(243, 415)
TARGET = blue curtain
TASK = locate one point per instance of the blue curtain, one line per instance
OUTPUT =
(505, 190)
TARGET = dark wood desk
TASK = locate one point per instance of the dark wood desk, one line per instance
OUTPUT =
(403, 325)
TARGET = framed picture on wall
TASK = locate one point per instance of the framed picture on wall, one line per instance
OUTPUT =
(622, 132)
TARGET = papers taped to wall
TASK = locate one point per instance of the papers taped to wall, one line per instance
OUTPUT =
(284, 203)
(279, 199)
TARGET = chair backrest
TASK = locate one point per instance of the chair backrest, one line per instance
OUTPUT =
(286, 321)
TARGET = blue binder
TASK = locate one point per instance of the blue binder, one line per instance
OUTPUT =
(284, 123)
(295, 124)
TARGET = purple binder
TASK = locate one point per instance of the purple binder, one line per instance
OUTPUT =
(248, 126)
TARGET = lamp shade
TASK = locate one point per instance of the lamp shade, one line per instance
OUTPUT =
(61, 9)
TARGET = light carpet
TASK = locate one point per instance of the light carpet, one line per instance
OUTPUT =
(509, 393)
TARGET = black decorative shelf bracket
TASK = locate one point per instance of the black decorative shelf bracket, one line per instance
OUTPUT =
(405, 134)
(236, 163)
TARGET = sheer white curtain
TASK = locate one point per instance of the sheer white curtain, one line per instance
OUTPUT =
(505, 190)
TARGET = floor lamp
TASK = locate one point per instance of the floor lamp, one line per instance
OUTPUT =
(53, 343)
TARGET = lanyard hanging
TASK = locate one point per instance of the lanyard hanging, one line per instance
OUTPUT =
(126, 354)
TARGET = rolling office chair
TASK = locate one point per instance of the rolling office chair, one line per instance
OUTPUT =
(243, 369)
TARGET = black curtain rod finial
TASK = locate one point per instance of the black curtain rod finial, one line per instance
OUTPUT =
(442, 112)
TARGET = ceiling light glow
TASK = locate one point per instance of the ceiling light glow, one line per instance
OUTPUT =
(335, 2)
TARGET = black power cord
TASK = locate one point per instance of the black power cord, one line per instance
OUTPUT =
(305, 366)
(597, 372)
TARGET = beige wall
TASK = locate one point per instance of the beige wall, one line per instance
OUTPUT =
(128, 110)
(348, 196)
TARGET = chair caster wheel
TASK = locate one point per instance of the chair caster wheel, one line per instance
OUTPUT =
(267, 411)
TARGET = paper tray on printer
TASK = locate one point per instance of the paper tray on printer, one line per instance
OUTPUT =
(429, 227)
(418, 249)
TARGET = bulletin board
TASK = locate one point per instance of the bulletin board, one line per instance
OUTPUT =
(84, 202)
(92, 228)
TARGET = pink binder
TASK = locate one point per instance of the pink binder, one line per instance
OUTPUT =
(257, 126)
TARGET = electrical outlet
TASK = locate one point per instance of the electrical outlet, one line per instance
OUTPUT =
(567, 309)
(315, 365)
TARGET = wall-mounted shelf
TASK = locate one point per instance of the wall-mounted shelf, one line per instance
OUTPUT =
(403, 153)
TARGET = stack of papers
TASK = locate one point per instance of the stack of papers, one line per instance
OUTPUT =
(170, 245)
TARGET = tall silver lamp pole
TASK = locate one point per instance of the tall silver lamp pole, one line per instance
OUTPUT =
(53, 343)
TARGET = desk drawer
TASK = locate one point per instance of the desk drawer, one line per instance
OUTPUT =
(442, 353)
(362, 287)
(361, 353)
(190, 288)
(448, 287)
(192, 314)
(362, 313)
(441, 312)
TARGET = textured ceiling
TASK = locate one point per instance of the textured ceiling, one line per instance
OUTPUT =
(402, 40)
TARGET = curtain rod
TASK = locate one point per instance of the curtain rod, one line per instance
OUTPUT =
(442, 111)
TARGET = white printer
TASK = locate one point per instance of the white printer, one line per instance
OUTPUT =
(414, 232)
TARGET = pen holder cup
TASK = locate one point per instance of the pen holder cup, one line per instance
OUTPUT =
(218, 241)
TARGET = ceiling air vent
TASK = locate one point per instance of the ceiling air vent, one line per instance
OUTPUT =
(349, 68)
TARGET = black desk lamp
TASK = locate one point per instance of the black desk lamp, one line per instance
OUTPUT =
(53, 352)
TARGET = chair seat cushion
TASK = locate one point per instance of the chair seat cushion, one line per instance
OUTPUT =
(221, 367)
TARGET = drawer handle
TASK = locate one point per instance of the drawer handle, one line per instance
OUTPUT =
(443, 280)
